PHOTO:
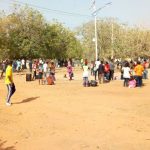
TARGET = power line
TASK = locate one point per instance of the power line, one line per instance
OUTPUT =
(53, 10)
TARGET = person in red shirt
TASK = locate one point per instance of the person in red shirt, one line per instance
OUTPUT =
(107, 70)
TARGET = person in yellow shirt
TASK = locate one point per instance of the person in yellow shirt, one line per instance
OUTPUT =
(138, 73)
(9, 83)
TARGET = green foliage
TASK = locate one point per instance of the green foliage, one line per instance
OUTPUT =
(25, 34)
(121, 41)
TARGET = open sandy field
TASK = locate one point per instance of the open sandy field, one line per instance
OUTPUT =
(68, 116)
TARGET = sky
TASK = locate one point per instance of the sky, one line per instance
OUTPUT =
(131, 12)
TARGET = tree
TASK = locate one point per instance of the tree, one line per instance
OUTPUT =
(127, 41)
(25, 33)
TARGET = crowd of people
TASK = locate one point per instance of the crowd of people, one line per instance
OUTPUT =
(132, 73)
(44, 71)
(102, 71)
(17, 65)
(39, 69)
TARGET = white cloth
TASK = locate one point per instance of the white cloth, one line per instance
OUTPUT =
(45, 67)
(23, 62)
(126, 72)
(97, 63)
(40, 61)
(85, 71)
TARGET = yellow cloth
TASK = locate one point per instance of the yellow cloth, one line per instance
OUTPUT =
(139, 70)
(9, 76)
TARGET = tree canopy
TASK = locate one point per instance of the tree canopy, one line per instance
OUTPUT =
(26, 34)
(115, 39)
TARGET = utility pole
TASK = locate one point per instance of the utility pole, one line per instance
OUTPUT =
(95, 12)
(96, 51)
(112, 41)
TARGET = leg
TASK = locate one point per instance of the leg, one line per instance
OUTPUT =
(53, 76)
(2, 74)
(91, 72)
(146, 74)
(10, 92)
(112, 75)
(84, 81)
(107, 76)
(13, 89)
(140, 81)
(70, 76)
(39, 81)
(34, 75)
(99, 78)
(127, 81)
(124, 82)
(102, 76)
(95, 73)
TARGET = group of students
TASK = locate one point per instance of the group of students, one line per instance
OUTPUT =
(43, 71)
(17, 65)
(134, 73)
(104, 72)
(40, 70)
(46, 70)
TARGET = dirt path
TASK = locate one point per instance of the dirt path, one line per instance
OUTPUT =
(67, 116)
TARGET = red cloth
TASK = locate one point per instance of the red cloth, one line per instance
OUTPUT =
(106, 68)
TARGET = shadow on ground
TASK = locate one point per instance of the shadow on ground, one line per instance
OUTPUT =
(2, 143)
(27, 100)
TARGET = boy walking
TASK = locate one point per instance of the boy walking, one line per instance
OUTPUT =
(9, 82)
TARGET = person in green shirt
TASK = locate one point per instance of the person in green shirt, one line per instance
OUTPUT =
(9, 82)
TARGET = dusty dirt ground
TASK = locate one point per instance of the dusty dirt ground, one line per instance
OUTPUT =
(67, 116)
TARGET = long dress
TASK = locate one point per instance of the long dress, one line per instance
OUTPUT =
(70, 72)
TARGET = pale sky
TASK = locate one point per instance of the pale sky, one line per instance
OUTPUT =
(132, 12)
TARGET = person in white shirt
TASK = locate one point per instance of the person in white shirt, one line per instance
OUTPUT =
(45, 68)
(85, 74)
(126, 74)
(40, 61)
(22, 64)
(97, 63)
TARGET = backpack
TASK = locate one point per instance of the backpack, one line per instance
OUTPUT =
(93, 83)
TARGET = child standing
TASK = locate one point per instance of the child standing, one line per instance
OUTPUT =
(52, 71)
(126, 74)
(40, 70)
(85, 74)
(70, 71)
